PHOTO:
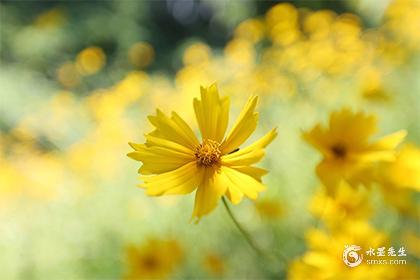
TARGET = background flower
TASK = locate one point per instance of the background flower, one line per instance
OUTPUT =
(347, 151)
(154, 259)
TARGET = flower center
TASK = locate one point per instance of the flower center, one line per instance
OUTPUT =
(208, 153)
(150, 262)
(339, 151)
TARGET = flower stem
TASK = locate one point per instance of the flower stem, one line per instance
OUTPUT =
(244, 233)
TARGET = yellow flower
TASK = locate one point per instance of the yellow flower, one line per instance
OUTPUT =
(347, 204)
(347, 152)
(324, 258)
(154, 259)
(214, 264)
(412, 239)
(175, 162)
(400, 180)
(404, 173)
(270, 209)
(403, 200)
(90, 60)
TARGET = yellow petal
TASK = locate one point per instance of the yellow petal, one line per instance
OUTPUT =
(254, 172)
(405, 171)
(173, 129)
(242, 182)
(208, 193)
(180, 181)
(345, 128)
(158, 159)
(320, 139)
(243, 159)
(161, 142)
(135, 146)
(212, 113)
(330, 173)
(186, 129)
(373, 156)
(381, 150)
(252, 153)
(243, 127)
(350, 127)
(390, 141)
(233, 193)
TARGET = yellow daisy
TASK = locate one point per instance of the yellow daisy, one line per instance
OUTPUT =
(323, 258)
(214, 264)
(176, 162)
(270, 209)
(404, 173)
(347, 152)
(348, 204)
(400, 180)
(155, 259)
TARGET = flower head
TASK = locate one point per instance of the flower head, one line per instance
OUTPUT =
(154, 259)
(347, 152)
(176, 162)
(323, 260)
(404, 173)
(270, 209)
(214, 264)
(347, 204)
(400, 180)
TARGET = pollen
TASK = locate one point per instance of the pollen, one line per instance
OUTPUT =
(208, 153)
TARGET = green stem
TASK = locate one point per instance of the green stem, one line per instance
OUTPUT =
(244, 233)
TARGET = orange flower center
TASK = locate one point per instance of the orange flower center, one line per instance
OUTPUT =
(208, 153)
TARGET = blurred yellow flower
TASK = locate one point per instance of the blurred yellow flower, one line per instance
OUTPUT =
(196, 54)
(405, 171)
(68, 75)
(50, 19)
(241, 53)
(323, 260)
(214, 265)
(251, 30)
(90, 60)
(348, 203)
(154, 259)
(402, 21)
(175, 162)
(10, 183)
(141, 54)
(347, 153)
(412, 239)
(283, 24)
(403, 200)
(269, 208)
(371, 85)
(400, 180)
(318, 24)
